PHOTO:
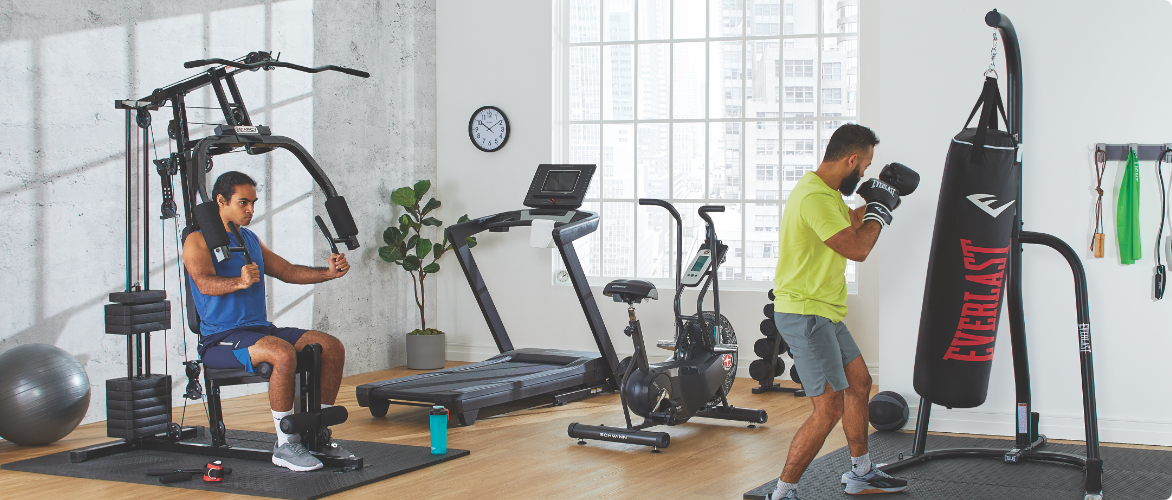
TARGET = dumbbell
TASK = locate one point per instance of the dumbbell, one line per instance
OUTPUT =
(762, 347)
(771, 297)
(759, 369)
(768, 328)
(768, 311)
(793, 374)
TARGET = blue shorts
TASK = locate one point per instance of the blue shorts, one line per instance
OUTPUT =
(821, 350)
(229, 349)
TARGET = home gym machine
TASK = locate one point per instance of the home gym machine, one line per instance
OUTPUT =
(554, 196)
(696, 380)
(139, 406)
(953, 370)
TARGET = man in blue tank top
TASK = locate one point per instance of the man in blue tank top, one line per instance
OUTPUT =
(236, 332)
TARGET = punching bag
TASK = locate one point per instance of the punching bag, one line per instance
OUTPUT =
(969, 260)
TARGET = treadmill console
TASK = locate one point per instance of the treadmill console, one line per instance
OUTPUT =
(559, 186)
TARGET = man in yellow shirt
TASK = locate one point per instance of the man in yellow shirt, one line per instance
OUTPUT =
(818, 234)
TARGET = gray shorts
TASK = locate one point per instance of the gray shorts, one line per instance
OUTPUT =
(820, 348)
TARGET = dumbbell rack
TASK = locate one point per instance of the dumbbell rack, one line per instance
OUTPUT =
(770, 366)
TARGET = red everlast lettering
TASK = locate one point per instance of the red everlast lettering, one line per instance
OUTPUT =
(978, 313)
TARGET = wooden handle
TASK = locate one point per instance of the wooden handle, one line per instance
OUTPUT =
(1097, 245)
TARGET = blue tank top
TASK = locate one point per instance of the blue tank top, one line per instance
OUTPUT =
(240, 308)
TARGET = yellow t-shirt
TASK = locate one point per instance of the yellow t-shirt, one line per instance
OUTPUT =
(810, 277)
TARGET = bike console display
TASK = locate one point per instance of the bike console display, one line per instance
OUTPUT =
(698, 268)
(559, 186)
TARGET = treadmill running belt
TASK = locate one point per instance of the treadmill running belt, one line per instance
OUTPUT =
(462, 380)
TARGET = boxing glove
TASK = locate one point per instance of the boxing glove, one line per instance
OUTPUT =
(903, 179)
(881, 200)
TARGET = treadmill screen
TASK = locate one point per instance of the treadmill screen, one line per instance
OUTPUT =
(560, 181)
(700, 261)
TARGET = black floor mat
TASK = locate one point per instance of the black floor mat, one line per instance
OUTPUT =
(381, 461)
(1128, 474)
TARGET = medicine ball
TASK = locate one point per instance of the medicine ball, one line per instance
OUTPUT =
(44, 394)
(888, 411)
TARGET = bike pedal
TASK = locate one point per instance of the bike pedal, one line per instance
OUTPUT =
(666, 344)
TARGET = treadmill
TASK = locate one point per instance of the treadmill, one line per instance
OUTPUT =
(554, 195)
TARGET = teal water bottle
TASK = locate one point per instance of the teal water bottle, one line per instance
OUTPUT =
(439, 430)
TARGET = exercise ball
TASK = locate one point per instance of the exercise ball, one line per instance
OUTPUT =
(44, 394)
(888, 411)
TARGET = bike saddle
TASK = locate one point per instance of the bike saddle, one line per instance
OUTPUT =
(630, 291)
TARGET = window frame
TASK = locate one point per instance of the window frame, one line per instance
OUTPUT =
(813, 98)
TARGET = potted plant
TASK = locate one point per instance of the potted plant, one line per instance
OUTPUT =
(407, 248)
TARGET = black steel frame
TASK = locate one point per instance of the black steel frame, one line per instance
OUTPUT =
(1027, 438)
(189, 163)
(564, 235)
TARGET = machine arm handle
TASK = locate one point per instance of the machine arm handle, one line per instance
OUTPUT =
(243, 248)
(269, 64)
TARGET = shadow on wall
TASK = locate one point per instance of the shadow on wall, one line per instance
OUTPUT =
(63, 163)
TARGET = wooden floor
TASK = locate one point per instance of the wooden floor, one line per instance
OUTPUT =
(522, 454)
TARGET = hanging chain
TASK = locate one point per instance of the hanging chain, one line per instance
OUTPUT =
(993, 57)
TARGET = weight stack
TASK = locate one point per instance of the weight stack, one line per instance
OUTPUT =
(138, 407)
(138, 312)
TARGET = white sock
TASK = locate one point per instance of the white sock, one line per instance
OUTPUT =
(860, 466)
(282, 438)
(782, 489)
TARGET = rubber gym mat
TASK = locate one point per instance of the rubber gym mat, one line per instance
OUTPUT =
(380, 460)
(1128, 474)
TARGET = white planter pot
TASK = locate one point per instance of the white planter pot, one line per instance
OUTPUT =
(426, 352)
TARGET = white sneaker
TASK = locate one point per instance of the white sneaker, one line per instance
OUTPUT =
(874, 481)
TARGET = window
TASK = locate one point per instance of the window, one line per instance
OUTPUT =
(796, 95)
(798, 147)
(831, 96)
(765, 171)
(832, 71)
(799, 68)
(712, 102)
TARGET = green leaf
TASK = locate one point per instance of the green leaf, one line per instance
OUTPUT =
(392, 236)
(423, 247)
(470, 241)
(411, 263)
(390, 254)
(431, 268)
(463, 219)
(411, 242)
(439, 250)
(405, 221)
(404, 197)
(432, 204)
(432, 221)
(421, 188)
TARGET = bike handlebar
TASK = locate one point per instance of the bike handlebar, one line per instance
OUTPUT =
(270, 64)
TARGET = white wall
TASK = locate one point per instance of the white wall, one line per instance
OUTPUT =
(1092, 72)
(502, 54)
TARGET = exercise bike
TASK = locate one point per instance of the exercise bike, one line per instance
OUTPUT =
(696, 379)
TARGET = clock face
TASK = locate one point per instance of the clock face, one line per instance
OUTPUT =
(489, 129)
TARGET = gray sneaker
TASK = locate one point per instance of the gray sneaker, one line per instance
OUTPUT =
(790, 495)
(332, 449)
(874, 481)
(294, 456)
(846, 475)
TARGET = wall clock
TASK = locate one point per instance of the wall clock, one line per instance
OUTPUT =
(489, 129)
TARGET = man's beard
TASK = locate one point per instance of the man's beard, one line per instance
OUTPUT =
(847, 188)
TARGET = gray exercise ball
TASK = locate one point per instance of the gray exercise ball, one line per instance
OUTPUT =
(44, 394)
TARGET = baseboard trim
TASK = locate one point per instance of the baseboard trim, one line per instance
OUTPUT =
(1155, 433)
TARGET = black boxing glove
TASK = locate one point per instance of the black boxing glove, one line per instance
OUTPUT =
(898, 176)
(881, 199)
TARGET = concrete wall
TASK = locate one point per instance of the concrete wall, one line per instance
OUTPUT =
(62, 181)
(515, 70)
(933, 54)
